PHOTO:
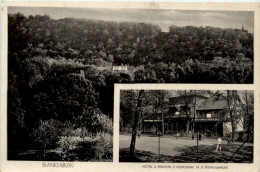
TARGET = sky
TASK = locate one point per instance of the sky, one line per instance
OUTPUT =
(162, 18)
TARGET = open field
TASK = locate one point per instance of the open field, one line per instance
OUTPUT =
(182, 150)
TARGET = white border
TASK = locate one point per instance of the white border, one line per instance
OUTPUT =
(115, 165)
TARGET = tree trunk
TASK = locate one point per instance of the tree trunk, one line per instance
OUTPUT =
(248, 117)
(143, 125)
(162, 124)
(44, 153)
(122, 125)
(231, 102)
(187, 127)
(193, 123)
(136, 117)
(233, 132)
(250, 126)
(233, 128)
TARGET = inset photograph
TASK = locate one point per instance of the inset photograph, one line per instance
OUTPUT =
(186, 126)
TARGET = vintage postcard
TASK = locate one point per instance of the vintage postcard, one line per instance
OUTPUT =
(129, 86)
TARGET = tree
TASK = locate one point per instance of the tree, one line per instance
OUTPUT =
(197, 95)
(186, 99)
(127, 104)
(135, 122)
(157, 100)
(194, 112)
(233, 101)
(47, 135)
(248, 110)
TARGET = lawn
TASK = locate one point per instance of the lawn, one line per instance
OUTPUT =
(183, 150)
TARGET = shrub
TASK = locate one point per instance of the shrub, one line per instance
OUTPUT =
(67, 146)
(103, 147)
(96, 148)
(47, 135)
(105, 123)
(85, 150)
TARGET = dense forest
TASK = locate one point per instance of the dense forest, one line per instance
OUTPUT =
(61, 82)
(182, 55)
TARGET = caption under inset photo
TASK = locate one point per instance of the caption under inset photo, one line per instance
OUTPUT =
(186, 126)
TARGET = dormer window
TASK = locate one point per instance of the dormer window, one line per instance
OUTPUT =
(173, 109)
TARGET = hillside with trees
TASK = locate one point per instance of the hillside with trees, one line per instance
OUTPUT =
(184, 54)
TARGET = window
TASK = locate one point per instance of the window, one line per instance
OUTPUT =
(208, 115)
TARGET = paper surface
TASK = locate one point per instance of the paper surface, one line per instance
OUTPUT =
(11, 165)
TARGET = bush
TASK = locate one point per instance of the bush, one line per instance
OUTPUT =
(105, 123)
(96, 149)
(85, 150)
(90, 148)
(104, 147)
(67, 147)
(47, 135)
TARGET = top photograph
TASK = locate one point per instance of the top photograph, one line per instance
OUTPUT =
(135, 45)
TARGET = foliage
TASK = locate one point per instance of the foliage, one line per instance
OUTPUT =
(247, 110)
(95, 148)
(47, 135)
(60, 71)
(184, 54)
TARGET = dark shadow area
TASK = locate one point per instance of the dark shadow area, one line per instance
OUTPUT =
(32, 155)
(189, 155)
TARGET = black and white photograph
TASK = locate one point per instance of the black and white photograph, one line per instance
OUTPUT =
(63, 64)
(136, 45)
(186, 126)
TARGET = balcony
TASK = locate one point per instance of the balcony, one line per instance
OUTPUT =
(207, 119)
(178, 115)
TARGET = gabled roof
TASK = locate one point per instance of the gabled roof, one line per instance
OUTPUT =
(199, 102)
(179, 100)
(212, 104)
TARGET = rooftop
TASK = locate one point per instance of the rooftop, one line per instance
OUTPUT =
(211, 104)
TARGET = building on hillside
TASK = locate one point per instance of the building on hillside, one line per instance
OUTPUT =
(175, 118)
(181, 113)
(211, 117)
(119, 68)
